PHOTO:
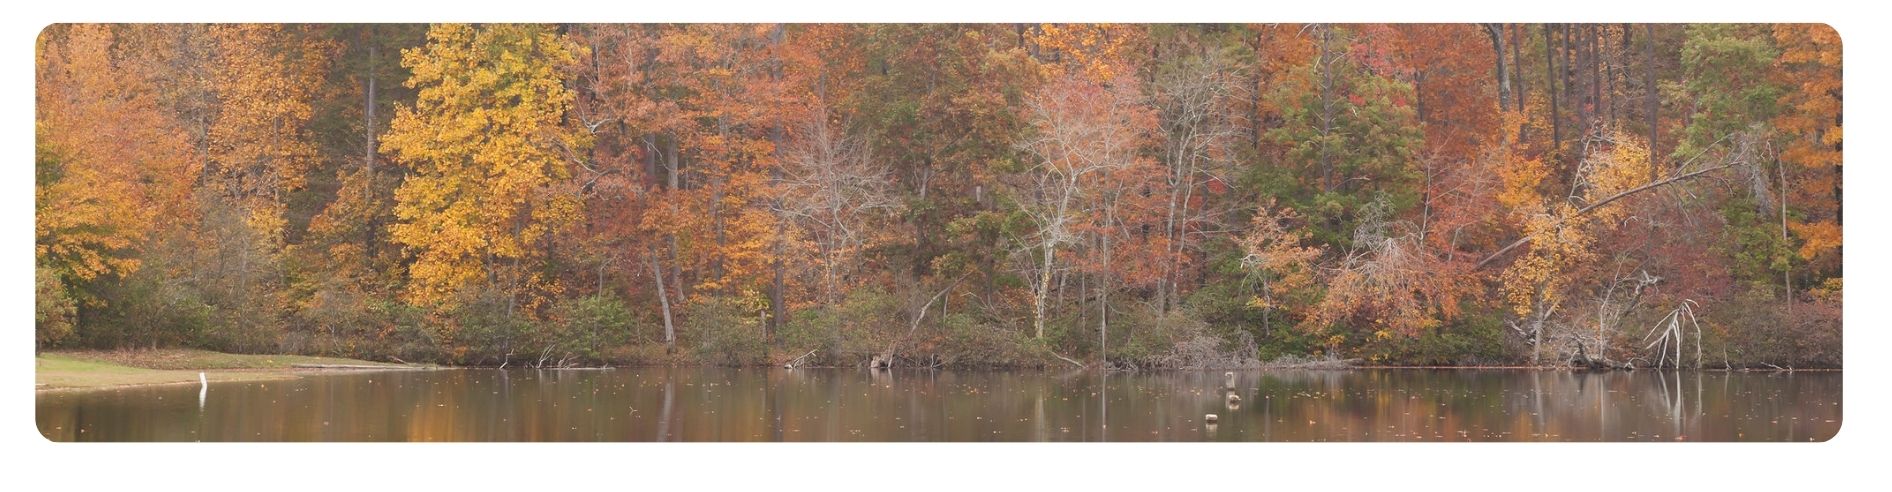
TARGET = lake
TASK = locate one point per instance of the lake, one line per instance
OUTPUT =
(755, 404)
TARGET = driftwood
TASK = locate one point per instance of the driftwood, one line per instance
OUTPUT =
(797, 361)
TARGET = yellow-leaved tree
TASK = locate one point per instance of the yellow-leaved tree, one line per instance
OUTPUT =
(487, 147)
(261, 148)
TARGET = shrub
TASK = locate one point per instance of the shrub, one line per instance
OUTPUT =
(863, 323)
(487, 327)
(967, 340)
(1756, 331)
(727, 330)
(55, 312)
(1226, 307)
(243, 330)
(588, 328)
(1474, 338)
(1181, 339)
(146, 310)
(340, 320)
(401, 330)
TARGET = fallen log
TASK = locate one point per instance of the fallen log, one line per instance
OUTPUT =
(348, 366)
(1080, 365)
(1599, 204)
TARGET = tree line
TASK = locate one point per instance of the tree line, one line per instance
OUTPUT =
(944, 194)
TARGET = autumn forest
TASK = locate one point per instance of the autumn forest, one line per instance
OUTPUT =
(945, 195)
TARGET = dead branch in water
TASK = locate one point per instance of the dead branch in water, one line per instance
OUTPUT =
(1671, 329)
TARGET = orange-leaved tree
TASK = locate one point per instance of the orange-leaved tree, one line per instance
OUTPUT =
(108, 161)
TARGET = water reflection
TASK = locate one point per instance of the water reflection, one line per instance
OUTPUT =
(662, 404)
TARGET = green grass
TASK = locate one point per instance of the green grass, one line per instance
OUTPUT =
(104, 369)
(203, 359)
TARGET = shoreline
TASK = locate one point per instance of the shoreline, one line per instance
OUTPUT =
(77, 371)
(82, 371)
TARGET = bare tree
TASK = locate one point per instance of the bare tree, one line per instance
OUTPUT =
(1198, 114)
(833, 190)
(1083, 128)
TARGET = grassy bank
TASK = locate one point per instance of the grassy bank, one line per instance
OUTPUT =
(78, 370)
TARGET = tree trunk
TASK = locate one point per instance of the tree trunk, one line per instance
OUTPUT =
(1610, 72)
(1649, 86)
(1044, 290)
(1786, 274)
(674, 163)
(1577, 42)
(1496, 33)
(367, 233)
(1567, 73)
(1596, 73)
(1103, 307)
(1324, 63)
(1550, 89)
(1517, 67)
(1169, 230)
(1255, 95)
(1084, 295)
(776, 301)
(1537, 337)
(663, 300)
(1053, 234)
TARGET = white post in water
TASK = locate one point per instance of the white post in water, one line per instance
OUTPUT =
(203, 389)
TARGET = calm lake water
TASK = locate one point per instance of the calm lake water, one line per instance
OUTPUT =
(661, 404)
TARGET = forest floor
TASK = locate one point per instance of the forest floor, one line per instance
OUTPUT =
(104, 369)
